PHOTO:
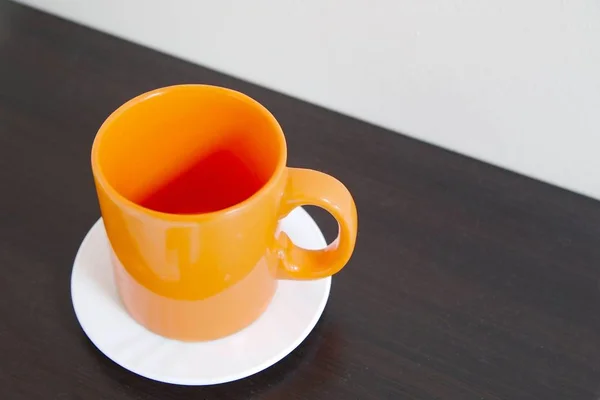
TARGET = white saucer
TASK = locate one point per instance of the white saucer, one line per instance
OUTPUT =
(292, 314)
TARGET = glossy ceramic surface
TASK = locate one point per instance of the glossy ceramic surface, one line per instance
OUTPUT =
(288, 319)
(204, 276)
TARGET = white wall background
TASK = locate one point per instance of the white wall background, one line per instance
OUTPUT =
(512, 82)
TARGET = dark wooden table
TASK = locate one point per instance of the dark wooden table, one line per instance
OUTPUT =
(468, 281)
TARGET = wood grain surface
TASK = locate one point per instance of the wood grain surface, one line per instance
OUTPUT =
(468, 281)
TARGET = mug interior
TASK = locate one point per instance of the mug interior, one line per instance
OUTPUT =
(161, 135)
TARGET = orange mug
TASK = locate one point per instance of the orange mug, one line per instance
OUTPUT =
(192, 182)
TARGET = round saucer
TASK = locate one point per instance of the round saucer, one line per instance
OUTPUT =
(292, 314)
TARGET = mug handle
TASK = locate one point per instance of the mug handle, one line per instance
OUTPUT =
(309, 187)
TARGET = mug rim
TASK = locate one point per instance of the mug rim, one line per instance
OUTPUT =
(248, 202)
